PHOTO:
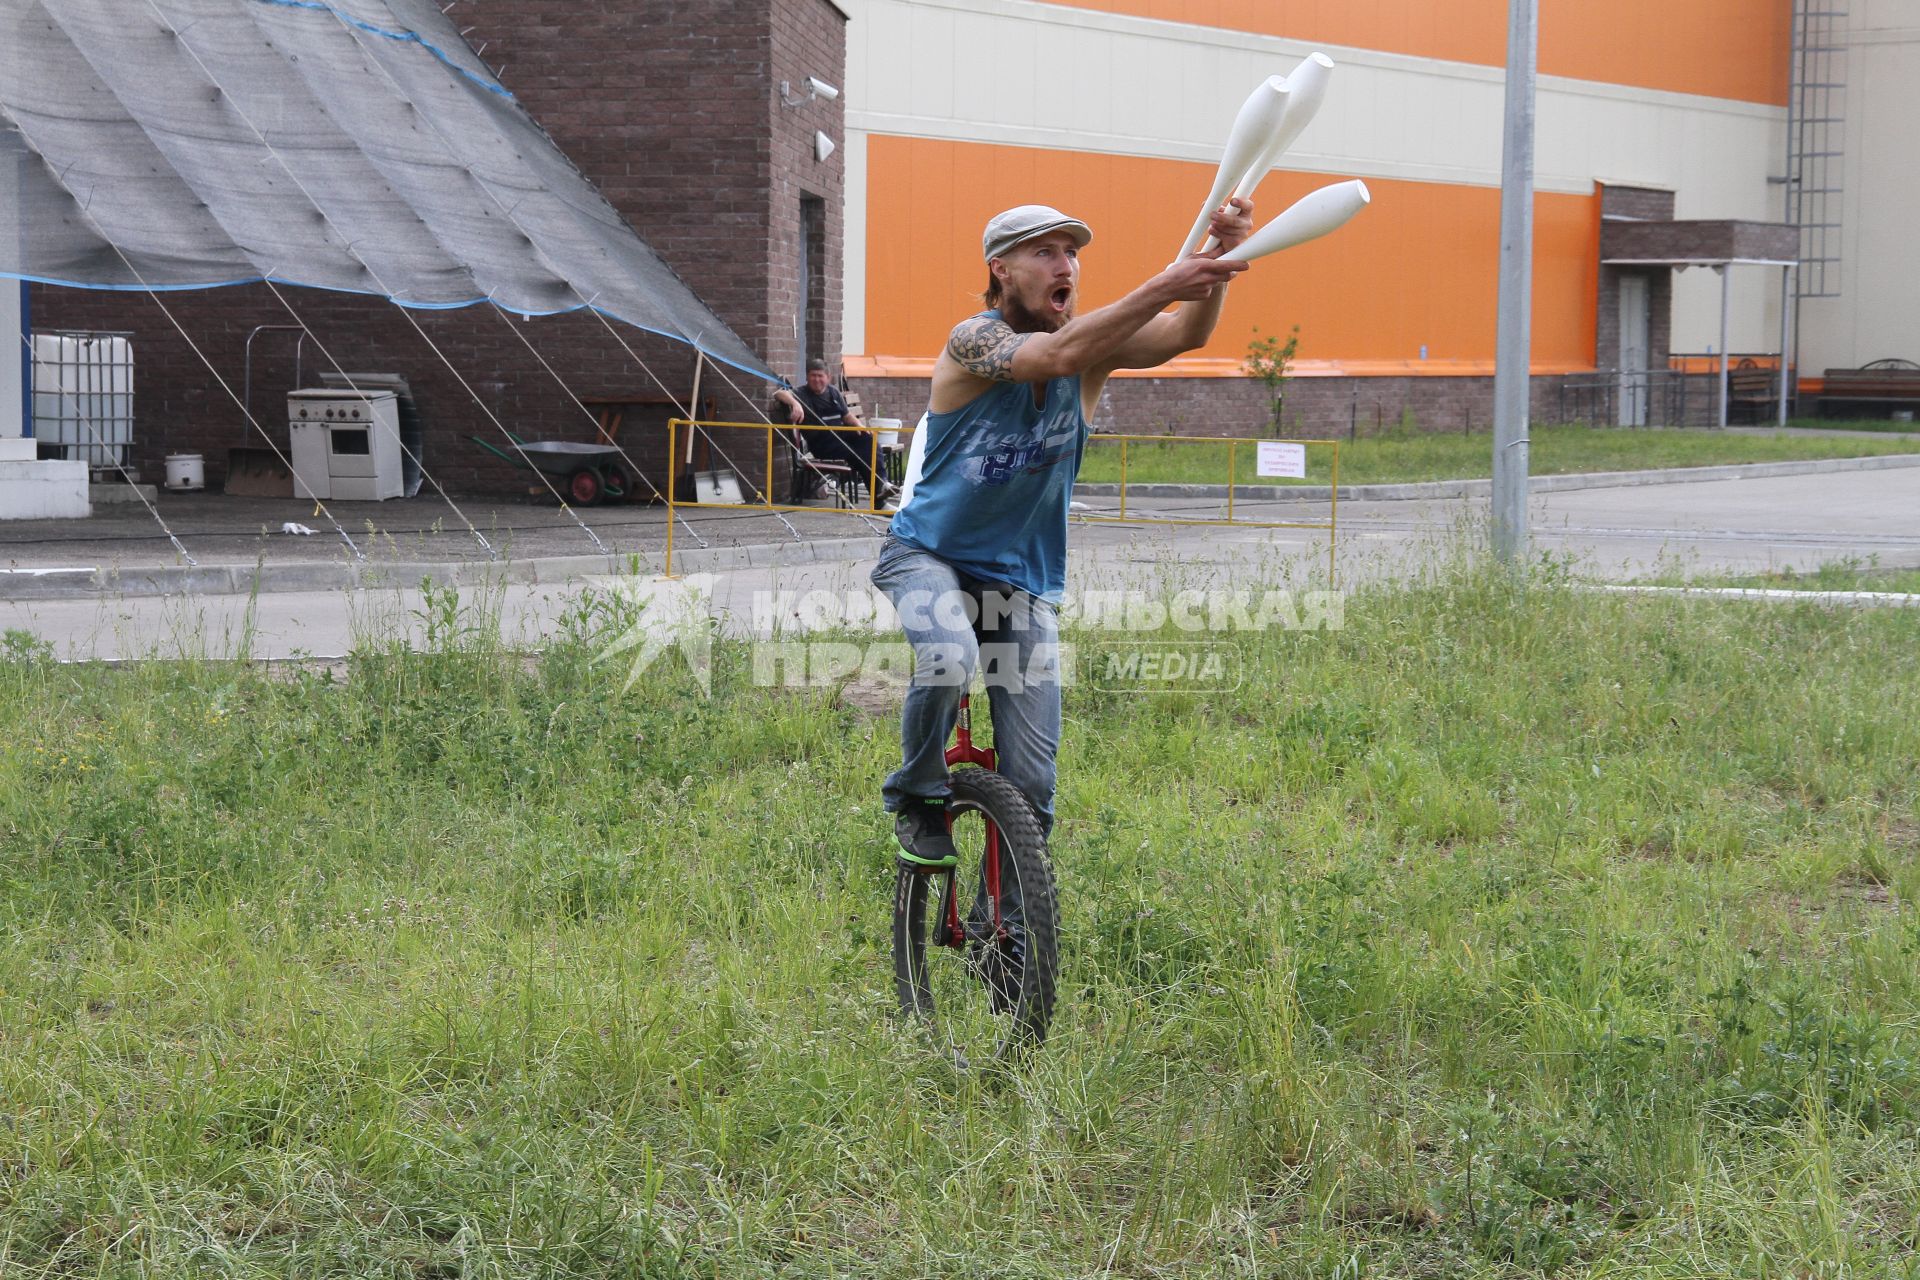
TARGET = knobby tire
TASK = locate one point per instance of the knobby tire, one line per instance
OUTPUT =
(1022, 1022)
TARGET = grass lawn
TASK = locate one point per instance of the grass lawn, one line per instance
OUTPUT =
(1854, 424)
(1837, 575)
(1404, 456)
(1499, 933)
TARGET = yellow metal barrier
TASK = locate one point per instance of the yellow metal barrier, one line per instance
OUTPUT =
(679, 429)
(1269, 492)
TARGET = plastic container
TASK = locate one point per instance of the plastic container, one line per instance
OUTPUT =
(83, 395)
(186, 471)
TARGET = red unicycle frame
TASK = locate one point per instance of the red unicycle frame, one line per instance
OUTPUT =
(952, 932)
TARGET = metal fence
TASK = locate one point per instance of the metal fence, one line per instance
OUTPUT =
(1161, 480)
(1659, 397)
(1652, 397)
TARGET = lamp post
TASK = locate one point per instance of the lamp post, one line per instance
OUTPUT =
(1512, 381)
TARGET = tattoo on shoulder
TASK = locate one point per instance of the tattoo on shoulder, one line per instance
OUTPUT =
(984, 347)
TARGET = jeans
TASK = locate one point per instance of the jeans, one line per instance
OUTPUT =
(957, 625)
(853, 449)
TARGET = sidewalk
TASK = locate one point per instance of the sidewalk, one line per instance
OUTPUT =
(237, 544)
(1713, 526)
(239, 549)
(1568, 483)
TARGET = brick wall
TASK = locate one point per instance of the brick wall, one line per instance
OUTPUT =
(673, 111)
(1640, 204)
(805, 43)
(1325, 408)
(1646, 204)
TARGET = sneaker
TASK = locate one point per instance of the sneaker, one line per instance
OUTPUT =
(925, 842)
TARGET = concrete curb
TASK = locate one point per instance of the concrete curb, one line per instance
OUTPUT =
(1892, 599)
(336, 575)
(117, 494)
(1484, 488)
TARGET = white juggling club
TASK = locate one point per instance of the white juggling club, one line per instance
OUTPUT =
(1259, 116)
(1306, 90)
(1311, 217)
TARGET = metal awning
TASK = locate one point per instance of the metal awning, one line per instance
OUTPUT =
(1698, 243)
(1718, 245)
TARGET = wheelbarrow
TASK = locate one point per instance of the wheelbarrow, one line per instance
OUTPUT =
(588, 472)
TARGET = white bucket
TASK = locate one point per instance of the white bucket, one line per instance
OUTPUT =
(186, 471)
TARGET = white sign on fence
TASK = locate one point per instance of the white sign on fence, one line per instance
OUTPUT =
(1278, 458)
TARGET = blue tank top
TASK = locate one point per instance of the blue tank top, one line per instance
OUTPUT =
(994, 481)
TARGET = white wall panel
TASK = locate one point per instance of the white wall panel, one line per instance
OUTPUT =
(1045, 75)
(1877, 313)
(931, 64)
(1027, 74)
(853, 292)
(1753, 304)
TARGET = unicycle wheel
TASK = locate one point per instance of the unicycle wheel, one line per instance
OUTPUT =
(976, 950)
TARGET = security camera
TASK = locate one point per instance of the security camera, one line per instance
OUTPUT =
(821, 89)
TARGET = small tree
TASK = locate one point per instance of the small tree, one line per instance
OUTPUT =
(1268, 359)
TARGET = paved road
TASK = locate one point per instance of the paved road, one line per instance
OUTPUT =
(1739, 525)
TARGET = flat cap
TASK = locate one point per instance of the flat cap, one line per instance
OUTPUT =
(1005, 230)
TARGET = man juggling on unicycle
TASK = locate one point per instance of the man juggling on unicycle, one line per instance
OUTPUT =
(977, 556)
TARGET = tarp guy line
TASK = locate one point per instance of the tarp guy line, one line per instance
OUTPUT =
(213, 80)
(691, 413)
(163, 170)
(345, 376)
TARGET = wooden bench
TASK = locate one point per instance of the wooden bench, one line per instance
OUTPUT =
(1753, 391)
(1884, 382)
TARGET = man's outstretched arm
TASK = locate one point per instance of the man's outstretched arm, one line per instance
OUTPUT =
(988, 349)
(1169, 335)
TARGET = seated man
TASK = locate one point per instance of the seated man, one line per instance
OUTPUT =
(820, 403)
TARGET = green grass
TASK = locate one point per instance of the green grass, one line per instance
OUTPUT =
(1402, 457)
(1500, 933)
(1848, 574)
(1837, 577)
(1854, 424)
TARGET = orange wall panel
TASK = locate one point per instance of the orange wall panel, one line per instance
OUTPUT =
(1720, 48)
(1419, 267)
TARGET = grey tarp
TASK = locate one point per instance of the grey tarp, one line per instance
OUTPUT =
(353, 144)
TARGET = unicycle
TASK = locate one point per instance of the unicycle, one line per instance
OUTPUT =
(976, 948)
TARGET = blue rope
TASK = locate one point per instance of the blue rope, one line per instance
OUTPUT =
(405, 37)
(763, 374)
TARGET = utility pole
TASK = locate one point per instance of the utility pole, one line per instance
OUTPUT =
(16, 369)
(1512, 381)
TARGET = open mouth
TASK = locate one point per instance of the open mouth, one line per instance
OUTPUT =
(1060, 297)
